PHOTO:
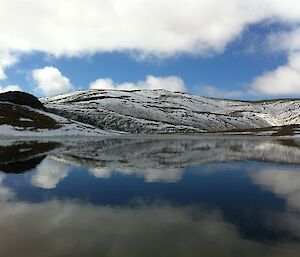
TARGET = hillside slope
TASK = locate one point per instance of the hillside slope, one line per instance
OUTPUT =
(20, 120)
(160, 111)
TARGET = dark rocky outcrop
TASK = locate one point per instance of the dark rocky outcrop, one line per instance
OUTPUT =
(24, 156)
(21, 98)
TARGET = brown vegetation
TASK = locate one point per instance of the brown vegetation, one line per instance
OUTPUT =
(22, 117)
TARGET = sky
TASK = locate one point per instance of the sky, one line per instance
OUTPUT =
(240, 49)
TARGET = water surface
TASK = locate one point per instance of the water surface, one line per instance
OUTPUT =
(150, 197)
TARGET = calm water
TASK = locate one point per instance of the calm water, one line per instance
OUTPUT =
(150, 197)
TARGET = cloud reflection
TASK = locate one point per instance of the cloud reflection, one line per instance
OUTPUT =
(6, 193)
(49, 173)
(171, 175)
(73, 229)
(283, 182)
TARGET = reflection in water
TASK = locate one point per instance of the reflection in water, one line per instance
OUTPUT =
(49, 173)
(72, 229)
(284, 183)
(104, 173)
(5, 192)
(151, 197)
(150, 175)
(18, 157)
(164, 160)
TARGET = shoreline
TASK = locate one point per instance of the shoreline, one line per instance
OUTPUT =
(148, 136)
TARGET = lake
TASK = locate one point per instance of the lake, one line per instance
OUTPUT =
(154, 196)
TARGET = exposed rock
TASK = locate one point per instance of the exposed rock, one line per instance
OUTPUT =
(22, 98)
(25, 156)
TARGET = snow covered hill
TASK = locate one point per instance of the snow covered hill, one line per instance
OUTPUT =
(161, 111)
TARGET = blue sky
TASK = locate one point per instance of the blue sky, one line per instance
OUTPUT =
(254, 56)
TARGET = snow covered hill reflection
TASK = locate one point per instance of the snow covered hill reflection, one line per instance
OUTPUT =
(164, 160)
(158, 159)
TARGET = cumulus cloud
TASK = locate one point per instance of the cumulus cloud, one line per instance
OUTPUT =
(285, 80)
(10, 88)
(6, 60)
(171, 83)
(285, 40)
(105, 83)
(212, 91)
(148, 28)
(74, 27)
(51, 82)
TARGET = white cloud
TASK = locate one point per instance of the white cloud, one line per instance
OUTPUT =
(171, 83)
(285, 41)
(212, 91)
(285, 80)
(6, 60)
(147, 27)
(74, 27)
(105, 83)
(10, 88)
(51, 82)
